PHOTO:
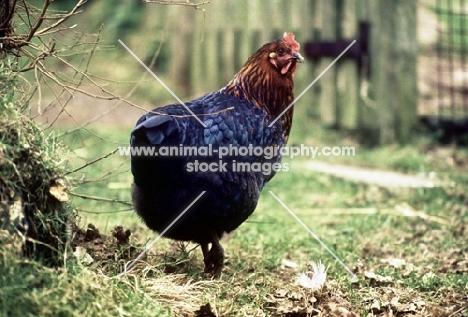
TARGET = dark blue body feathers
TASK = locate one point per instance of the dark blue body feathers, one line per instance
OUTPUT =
(164, 186)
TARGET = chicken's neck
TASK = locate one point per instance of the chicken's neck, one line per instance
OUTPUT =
(262, 85)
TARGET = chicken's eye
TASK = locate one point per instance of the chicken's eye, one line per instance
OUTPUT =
(280, 52)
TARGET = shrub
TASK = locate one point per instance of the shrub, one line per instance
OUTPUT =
(32, 193)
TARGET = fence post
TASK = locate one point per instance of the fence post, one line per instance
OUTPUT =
(348, 73)
(396, 48)
(328, 99)
(406, 67)
(368, 110)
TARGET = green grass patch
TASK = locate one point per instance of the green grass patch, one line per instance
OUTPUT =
(421, 262)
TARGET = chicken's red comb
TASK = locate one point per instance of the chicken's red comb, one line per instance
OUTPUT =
(289, 38)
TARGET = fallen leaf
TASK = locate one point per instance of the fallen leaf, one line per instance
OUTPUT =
(83, 256)
(58, 189)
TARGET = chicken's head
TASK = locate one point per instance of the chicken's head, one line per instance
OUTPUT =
(285, 54)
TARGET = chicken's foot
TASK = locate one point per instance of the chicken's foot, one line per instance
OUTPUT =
(213, 258)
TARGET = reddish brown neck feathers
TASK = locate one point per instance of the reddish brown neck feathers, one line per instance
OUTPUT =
(267, 76)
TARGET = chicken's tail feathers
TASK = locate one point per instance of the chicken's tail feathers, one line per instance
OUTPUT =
(154, 130)
(151, 133)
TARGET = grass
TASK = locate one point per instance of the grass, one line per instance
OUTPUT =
(420, 266)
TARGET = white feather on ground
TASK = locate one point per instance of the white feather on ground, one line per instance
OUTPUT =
(314, 279)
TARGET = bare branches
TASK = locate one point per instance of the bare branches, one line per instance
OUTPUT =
(43, 35)
(61, 18)
(33, 30)
(34, 18)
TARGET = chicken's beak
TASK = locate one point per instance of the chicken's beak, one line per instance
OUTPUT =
(298, 57)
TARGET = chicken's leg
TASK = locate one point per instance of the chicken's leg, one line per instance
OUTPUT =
(214, 258)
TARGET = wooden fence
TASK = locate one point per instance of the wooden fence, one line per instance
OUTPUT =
(380, 105)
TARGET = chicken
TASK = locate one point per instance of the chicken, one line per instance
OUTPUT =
(238, 115)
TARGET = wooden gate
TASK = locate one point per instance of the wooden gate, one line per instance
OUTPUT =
(376, 98)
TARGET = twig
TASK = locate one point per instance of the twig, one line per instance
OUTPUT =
(110, 174)
(108, 200)
(91, 162)
(104, 212)
(39, 92)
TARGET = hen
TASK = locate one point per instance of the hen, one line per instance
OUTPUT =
(238, 115)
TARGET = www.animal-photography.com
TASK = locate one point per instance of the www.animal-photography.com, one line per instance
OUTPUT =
(233, 158)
